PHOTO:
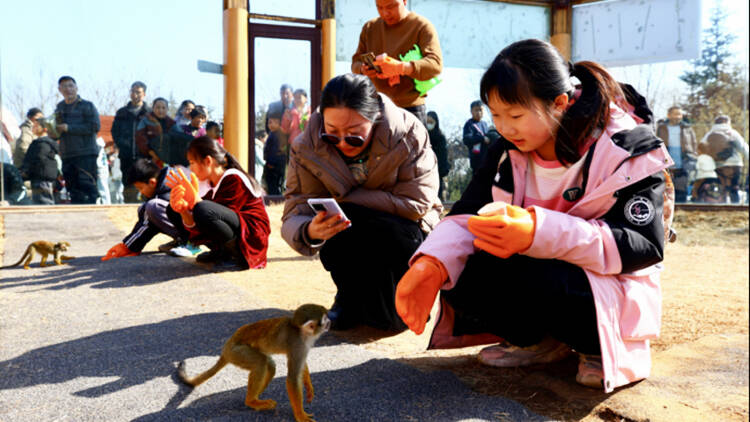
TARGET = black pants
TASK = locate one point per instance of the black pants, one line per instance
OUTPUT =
(274, 177)
(215, 222)
(523, 300)
(366, 262)
(420, 112)
(80, 179)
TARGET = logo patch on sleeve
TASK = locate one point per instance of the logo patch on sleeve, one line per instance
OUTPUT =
(639, 211)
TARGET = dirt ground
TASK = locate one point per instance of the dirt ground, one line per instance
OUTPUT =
(704, 330)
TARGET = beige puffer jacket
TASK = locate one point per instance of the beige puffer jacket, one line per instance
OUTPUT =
(402, 174)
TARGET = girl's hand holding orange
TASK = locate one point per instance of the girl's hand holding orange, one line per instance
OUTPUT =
(190, 188)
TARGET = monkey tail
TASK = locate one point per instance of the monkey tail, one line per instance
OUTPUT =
(199, 379)
(24, 256)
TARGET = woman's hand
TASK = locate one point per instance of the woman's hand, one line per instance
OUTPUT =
(324, 228)
(189, 193)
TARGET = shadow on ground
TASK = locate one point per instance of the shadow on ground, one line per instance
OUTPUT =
(145, 269)
(377, 390)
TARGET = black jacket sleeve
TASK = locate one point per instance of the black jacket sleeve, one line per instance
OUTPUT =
(636, 223)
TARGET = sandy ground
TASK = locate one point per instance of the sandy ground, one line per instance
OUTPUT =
(700, 360)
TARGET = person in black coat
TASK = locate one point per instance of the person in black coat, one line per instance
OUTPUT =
(40, 167)
(440, 147)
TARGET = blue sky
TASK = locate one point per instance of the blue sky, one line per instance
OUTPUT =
(106, 45)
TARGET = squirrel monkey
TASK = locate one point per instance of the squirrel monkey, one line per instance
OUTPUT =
(251, 346)
(44, 248)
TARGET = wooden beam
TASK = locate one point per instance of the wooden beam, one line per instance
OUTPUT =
(561, 27)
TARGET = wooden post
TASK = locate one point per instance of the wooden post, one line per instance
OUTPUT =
(561, 27)
(328, 38)
(236, 101)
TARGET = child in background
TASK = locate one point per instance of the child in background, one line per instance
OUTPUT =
(182, 117)
(295, 119)
(40, 166)
(274, 156)
(231, 217)
(150, 179)
(197, 119)
(213, 131)
(563, 253)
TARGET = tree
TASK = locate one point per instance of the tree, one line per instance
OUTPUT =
(716, 85)
(460, 175)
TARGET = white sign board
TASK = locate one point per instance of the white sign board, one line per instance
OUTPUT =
(629, 32)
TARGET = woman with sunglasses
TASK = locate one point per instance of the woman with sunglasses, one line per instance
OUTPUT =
(375, 160)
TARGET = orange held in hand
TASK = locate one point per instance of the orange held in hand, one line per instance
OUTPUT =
(417, 290)
(503, 229)
(190, 187)
(118, 251)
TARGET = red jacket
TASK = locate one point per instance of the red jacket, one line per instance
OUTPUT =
(235, 192)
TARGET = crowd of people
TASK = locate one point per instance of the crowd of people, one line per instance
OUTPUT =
(565, 218)
(62, 158)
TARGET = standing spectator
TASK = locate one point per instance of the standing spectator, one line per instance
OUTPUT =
(475, 136)
(28, 128)
(115, 180)
(123, 132)
(260, 162)
(40, 166)
(102, 173)
(278, 108)
(440, 147)
(729, 151)
(213, 131)
(183, 113)
(77, 125)
(181, 136)
(294, 119)
(680, 140)
(395, 32)
(151, 133)
(274, 155)
(195, 127)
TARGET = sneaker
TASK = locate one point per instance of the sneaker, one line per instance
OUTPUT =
(590, 372)
(187, 250)
(166, 247)
(505, 355)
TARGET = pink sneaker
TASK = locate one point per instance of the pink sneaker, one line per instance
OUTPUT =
(505, 355)
(590, 371)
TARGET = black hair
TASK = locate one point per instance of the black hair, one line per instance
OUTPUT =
(203, 146)
(674, 107)
(284, 87)
(66, 78)
(153, 103)
(211, 125)
(198, 111)
(534, 69)
(33, 111)
(434, 117)
(722, 119)
(300, 91)
(475, 104)
(142, 170)
(138, 84)
(352, 91)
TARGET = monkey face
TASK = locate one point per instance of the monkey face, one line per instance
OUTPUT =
(325, 324)
(62, 246)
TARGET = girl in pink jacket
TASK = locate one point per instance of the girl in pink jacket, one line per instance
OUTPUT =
(555, 245)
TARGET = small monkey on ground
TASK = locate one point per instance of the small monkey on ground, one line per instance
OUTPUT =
(44, 248)
(251, 346)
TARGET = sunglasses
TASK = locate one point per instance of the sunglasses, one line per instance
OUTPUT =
(353, 140)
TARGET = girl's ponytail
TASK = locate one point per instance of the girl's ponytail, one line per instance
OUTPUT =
(589, 112)
(204, 146)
